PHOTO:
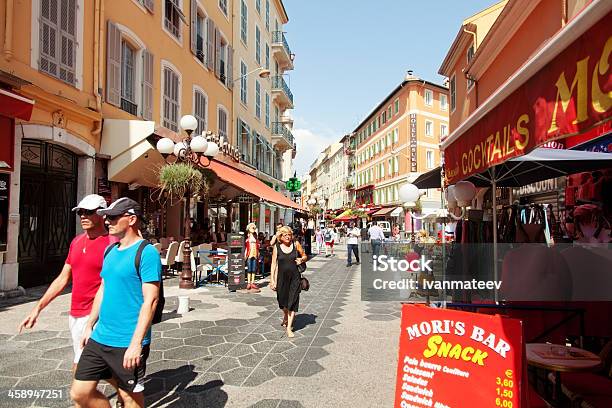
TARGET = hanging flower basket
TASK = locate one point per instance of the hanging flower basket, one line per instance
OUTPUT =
(176, 178)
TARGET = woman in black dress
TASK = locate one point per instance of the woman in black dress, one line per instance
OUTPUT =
(285, 278)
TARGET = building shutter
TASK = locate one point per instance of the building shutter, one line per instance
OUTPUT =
(113, 65)
(194, 26)
(210, 55)
(230, 67)
(49, 29)
(68, 41)
(217, 53)
(147, 85)
(149, 4)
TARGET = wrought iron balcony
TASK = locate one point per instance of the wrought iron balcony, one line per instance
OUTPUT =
(281, 50)
(281, 92)
(282, 137)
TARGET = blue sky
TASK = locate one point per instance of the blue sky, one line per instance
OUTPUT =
(350, 54)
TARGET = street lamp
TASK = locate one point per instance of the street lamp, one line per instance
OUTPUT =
(263, 73)
(197, 151)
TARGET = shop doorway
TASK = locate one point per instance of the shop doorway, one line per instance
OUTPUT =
(47, 224)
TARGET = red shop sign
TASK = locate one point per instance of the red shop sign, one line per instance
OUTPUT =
(449, 358)
(571, 95)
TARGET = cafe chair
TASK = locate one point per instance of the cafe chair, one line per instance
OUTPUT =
(180, 255)
(169, 260)
(158, 246)
(165, 243)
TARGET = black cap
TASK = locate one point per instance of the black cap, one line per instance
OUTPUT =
(121, 206)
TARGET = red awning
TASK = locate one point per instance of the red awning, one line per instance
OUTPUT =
(563, 90)
(383, 212)
(251, 185)
(344, 218)
(13, 105)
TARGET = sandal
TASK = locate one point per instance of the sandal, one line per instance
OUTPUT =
(284, 323)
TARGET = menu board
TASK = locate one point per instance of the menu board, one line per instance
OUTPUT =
(235, 270)
(453, 359)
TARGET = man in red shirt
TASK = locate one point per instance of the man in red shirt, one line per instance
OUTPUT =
(82, 266)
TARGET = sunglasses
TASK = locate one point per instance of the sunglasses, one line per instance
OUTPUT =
(82, 212)
(116, 217)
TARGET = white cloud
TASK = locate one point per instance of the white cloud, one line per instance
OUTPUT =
(309, 145)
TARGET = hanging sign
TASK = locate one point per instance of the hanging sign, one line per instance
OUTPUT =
(5, 185)
(449, 358)
(413, 142)
(571, 95)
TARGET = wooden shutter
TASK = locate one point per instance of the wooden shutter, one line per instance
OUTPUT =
(49, 38)
(194, 26)
(149, 4)
(217, 53)
(67, 41)
(230, 67)
(147, 85)
(210, 54)
(113, 65)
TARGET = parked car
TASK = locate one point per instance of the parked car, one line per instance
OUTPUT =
(386, 227)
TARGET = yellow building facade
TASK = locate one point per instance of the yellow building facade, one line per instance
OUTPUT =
(102, 77)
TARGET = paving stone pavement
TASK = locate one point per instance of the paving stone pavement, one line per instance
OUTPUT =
(230, 349)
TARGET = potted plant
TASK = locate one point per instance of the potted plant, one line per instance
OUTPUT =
(178, 179)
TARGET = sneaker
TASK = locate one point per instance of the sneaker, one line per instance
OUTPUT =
(357, 263)
(348, 265)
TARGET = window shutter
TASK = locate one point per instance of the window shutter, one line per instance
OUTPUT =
(48, 57)
(217, 53)
(210, 55)
(147, 85)
(149, 4)
(68, 40)
(194, 26)
(230, 67)
(113, 65)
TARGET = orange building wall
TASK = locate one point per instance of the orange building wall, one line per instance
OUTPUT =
(542, 23)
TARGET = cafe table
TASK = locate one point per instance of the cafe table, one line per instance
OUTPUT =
(558, 359)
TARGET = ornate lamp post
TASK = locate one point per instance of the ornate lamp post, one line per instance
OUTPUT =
(198, 152)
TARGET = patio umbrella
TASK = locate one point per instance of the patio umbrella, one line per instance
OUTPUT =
(540, 164)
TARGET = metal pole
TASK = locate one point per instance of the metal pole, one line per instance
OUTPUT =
(186, 279)
(494, 192)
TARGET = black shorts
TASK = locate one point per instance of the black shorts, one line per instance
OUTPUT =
(100, 362)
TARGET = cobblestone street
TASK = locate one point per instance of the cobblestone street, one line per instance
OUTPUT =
(230, 349)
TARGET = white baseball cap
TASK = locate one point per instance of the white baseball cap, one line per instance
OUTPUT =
(91, 202)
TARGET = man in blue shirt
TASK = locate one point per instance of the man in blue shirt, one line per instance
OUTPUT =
(118, 345)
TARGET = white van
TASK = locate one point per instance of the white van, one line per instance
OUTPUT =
(386, 227)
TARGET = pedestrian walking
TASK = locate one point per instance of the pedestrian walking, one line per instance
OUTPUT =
(352, 243)
(122, 313)
(285, 277)
(377, 237)
(331, 236)
(319, 240)
(82, 267)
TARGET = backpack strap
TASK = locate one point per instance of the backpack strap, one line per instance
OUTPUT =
(110, 247)
(141, 248)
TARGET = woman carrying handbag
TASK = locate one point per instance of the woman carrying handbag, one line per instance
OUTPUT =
(285, 277)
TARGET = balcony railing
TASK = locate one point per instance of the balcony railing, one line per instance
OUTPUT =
(278, 37)
(129, 107)
(278, 83)
(278, 128)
